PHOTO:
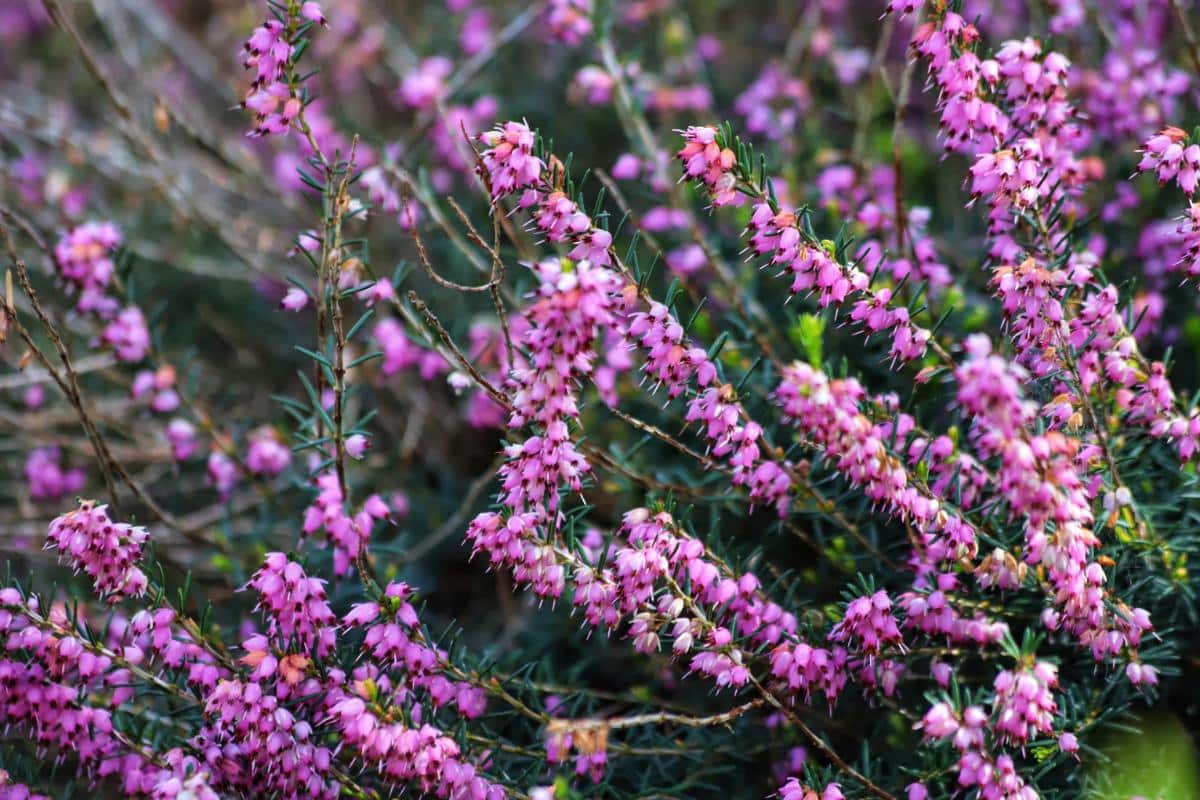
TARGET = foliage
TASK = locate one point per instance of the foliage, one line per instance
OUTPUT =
(599, 398)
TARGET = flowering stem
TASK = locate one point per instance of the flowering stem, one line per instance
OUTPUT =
(820, 744)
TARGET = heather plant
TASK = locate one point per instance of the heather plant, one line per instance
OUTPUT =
(599, 398)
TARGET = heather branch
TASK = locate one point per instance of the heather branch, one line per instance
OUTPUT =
(638, 130)
(772, 700)
(70, 387)
(422, 256)
(149, 678)
(667, 717)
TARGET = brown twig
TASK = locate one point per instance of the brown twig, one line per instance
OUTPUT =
(69, 385)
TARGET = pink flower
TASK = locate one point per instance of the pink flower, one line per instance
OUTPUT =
(34, 396)
(182, 436)
(400, 352)
(1025, 706)
(627, 167)
(269, 55)
(1141, 674)
(84, 254)
(774, 103)
(311, 11)
(903, 7)
(361, 614)
(560, 219)
(348, 533)
(47, 478)
(593, 84)
(266, 454)
(1168, 154)
(569, 21)
(128, 335)
(687, 260)
(916, 791)
(357, 445)
(794, 790)
(377, 507)
(222, 473)
(295, 299)
(381, 291)
(669, 359)
(423, 87)
(476, 35)
(593, 246)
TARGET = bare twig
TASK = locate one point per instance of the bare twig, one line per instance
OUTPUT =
(69, 384)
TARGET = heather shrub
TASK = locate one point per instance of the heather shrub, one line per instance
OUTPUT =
(599, 398)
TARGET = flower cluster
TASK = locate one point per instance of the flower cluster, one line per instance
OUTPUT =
(108, 552)
(569, 21)
(181, 435)
(992, 776)
(421, 756)
(1039, 479)
(128, 335)
(706, 161)
(1132, 90)
(47, 478)
(223, 471)
(394, 638)
(400, 352)
(60, 687)
(795, 790)
(249, 727)
(871, 200)
(509, 163)
(814, 269)
(573, 302)
(425, 86)
(269, 52)
(266, 453)
(941, 475)
(675, 363)
(1170, 156)
(773, 103)
(159, 387)
(1025, 706)
(828, 412)
(1173, 157)
(84, 258)
(348, 534)
(296, 604)
(668, 361)
(640, 585)
(868, 625)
